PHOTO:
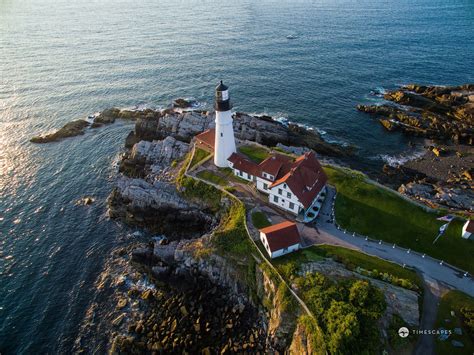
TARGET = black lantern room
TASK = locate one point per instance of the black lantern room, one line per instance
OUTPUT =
(222, 98)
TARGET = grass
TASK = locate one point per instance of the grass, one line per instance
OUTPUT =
(260, 220)
(379, 213)
(229, 174)
(212, 177)
(231, 236)
(454, 301)
(232, 242)
(199, 155)
(289, 264)
(255, 153)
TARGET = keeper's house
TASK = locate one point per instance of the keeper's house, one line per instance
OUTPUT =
(468, 229)
(297, 186)
(280, 239)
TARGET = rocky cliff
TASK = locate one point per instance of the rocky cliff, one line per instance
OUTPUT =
(185, 125)
(175, 262)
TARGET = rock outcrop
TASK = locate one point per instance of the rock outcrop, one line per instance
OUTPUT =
(177, 261)
(434, 112)
(184, 103)
(71, 129)
(159, 208)
(185, 125)
(456, 198)
(153, 159)
(444, 114)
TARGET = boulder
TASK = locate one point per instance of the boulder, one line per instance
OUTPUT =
(183, 103)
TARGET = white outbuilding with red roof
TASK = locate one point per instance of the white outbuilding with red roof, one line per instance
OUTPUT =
(280, 239)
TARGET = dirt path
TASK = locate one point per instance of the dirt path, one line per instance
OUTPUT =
(431, 296)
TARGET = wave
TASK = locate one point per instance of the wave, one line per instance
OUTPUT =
(378, 91)
(400, 159)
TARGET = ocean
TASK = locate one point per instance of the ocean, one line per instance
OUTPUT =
(63, 60)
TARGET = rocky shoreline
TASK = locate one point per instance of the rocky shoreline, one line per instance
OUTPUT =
(179, 293)
(435, 112)
(442, 176)
(176, 294)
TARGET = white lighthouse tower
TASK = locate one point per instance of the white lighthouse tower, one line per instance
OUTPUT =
(224, 141)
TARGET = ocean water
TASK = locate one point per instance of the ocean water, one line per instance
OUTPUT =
(62, 60)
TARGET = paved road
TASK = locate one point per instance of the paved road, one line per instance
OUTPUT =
(430, 269)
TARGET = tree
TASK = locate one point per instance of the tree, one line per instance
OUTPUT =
(342, 327)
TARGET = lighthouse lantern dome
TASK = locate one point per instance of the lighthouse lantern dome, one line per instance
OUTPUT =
(222, 102)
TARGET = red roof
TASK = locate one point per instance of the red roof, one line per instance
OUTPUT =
(207, 137)
(273, 164)
(241, 163)
(305, 179)
(470, 226)
(281, 235)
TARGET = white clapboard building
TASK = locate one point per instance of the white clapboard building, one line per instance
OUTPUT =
(297, 186)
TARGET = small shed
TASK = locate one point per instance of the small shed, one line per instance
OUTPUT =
(468, 229)
(280, 239)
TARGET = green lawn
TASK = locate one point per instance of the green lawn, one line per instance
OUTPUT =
(212, 177)
(370, 210)
(454, 301)
(255, 153)
(260, 220)
(199, 155)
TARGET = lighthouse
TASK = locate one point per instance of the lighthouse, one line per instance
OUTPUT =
(224, 140)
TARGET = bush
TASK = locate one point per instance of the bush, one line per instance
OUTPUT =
(347, 311)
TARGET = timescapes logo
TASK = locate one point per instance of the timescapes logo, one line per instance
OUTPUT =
(403, 332)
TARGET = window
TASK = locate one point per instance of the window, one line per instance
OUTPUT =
(280, 192)
(284, 185)
(240, 173)
(292, 206)
(288, 194)
(248, 176)
(265, 186)
(275, 198)
(222, 134)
